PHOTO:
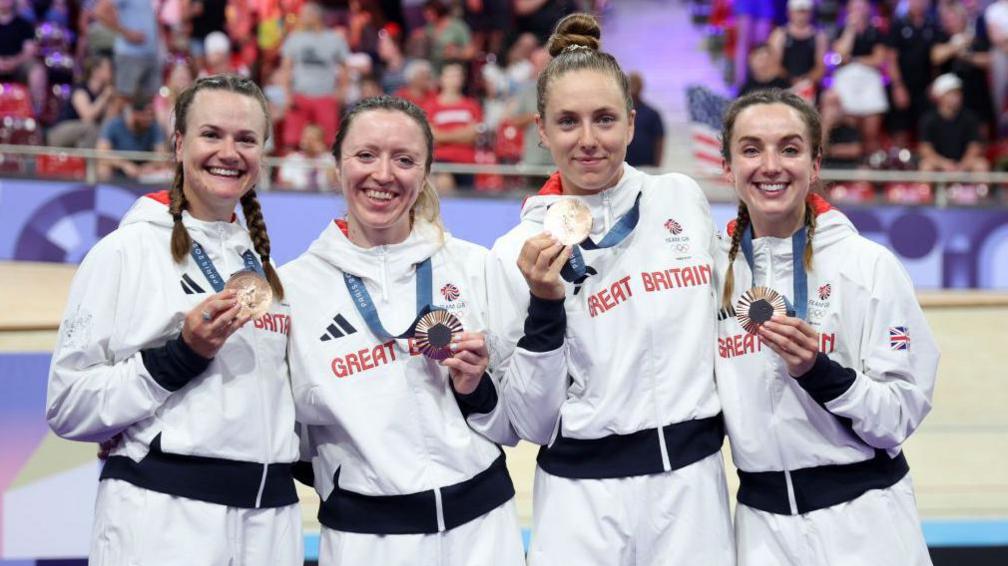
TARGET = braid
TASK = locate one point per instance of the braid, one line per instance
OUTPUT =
(810, 225)
(181, 243)
(260, 239)
(741, 225)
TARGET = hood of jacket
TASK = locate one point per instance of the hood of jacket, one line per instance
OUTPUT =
(152, 209)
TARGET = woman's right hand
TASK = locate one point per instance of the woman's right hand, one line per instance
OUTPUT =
(540, 261)
(209, 325)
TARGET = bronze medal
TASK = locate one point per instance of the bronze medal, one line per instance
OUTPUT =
(757, 305)
(434, 333)
(254, 293)
(568, 220)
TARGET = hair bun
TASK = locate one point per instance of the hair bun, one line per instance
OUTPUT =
(575, 30)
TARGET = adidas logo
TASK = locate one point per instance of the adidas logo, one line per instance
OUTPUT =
(338, 329)
(189, 286)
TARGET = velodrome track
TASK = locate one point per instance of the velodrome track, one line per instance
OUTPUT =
(958, 458)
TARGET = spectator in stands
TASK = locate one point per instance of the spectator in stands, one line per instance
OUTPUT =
(949, 133)
(487, 19)
(95, 38)
(135, 52)
(454, 118)
(539, 17)
(419, 86)
(858, 81)
(648, 143)
(391, 60)
(996, 16)
(842, 148)
(17, 44)
(218, 58)
(910, 40)
(80, 120)
(314, 55)
(799, 48)
(525, 112)
(965, 53)
(447, 37)
(180, 77)
(764, 71)
(205, 17)
(312, 167)
(753, 22)
(365, 20)
(134, 130)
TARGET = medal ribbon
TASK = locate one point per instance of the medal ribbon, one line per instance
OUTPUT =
(799, 307)
(366, 307)
(575, 267)
(202, 260)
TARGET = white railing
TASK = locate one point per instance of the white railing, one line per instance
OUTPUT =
(715, 186)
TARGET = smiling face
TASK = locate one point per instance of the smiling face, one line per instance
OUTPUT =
(772, 166)
(586, 128)
(220, 151)
(382, 164)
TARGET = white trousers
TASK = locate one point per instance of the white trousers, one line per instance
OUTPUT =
(138, 527)
(880, 527)
(675, 518)
(490, 540)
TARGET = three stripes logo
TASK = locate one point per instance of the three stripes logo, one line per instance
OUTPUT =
(189, 286)
(338, 329)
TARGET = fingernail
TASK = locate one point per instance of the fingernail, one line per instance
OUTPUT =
(454, 347)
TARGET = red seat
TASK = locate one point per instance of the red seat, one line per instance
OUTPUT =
(60, 165)
(14, 101)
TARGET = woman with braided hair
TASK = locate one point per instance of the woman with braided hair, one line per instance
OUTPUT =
(825, 362)
(608, 343)
(155, 351)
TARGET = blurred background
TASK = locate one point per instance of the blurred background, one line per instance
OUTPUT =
(913, 94)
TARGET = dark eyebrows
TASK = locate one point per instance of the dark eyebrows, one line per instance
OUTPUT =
(240, 133)
(790, 138)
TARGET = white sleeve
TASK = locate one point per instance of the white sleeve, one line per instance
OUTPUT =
(890, 394)
(529, 338)
(94, 392)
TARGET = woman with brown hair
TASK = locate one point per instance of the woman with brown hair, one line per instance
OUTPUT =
(612, 368)
(155, 348)
(825, 361)
(389, 364)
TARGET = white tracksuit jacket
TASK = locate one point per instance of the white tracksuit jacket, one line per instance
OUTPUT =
(634, 362)
(865, 396)
(379, 414)
(129, 295)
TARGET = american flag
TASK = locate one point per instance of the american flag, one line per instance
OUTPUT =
(899, 339)
(706, 108)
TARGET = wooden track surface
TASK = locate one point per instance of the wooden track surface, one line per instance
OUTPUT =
(958, 457)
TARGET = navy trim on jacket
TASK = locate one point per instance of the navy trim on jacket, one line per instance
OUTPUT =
(482, 400)
(174, 364)
(214, 480)
(821, 486)
(545, 325)
(416, 513)
(826, 380)
(634, 454)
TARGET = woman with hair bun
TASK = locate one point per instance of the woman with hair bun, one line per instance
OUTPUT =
(820, 396)
(607, 334)
(389, 364)
(156, 351)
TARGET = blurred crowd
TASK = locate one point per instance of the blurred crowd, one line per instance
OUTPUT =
(901, 84)
(105, 73)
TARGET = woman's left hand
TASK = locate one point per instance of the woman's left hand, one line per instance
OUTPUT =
(793, 340)
(468, 362)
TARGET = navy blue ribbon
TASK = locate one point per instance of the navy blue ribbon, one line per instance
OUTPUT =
(203, 261)
(799, 306)
(366, 307)
(574, 270)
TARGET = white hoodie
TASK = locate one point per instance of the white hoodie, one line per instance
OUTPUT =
(129, 295)
(383, 415)
(638, 350)
(862, 303)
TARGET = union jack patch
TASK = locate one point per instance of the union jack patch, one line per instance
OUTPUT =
(450, 292)
(899, 338)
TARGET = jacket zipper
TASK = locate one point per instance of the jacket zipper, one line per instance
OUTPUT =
(607, 210)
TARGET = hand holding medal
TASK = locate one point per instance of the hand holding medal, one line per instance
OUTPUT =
(468, 362)
(253, 292)
(569, 220)
(210, 323)
(793, 340)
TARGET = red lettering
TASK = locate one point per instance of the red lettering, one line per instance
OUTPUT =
(617, 293)
(705, 274)
(378, 354)
(721, 348)
(648, 282)
(674, 273)
(258, 322)
(827, 343)
(594, 306)
(390, 345)
(661, 278)
(352, 363)
(365, 359)
(688, 277)
(339, 368)
(737, 345)
(624, 285)
(606, 299)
